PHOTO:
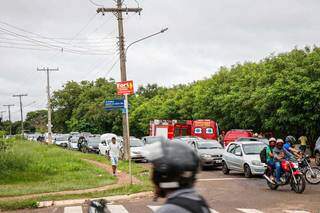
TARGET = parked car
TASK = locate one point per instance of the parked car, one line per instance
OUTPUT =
(61, 140)
(317, 152)
(234, 134)
(89, 144)
(136, 149)
(209, 152)
(73, 142)
(243, 157)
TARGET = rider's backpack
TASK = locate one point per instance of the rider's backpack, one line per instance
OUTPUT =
(263, 155)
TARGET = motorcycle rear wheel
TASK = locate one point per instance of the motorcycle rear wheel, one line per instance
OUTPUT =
(300, 186)
(313, 179)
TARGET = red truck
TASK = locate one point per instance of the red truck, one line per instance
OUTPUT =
(205, 128)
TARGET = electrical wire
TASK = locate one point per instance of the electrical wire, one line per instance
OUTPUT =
(48, 45)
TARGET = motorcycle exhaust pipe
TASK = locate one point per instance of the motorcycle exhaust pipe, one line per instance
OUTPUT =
(268, 179)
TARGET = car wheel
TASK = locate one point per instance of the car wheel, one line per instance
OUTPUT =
(225, 169)
(247, 171)
(318, 159)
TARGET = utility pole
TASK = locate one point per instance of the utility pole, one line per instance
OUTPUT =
(21, 113)
(49, 101)
(118, 13)
(2, 115)
(9, 115)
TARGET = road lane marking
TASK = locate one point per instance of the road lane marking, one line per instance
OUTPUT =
(296, 211)
(73, 209)
(250, 210)
(117, 209)
(220, 179)
(154, 208)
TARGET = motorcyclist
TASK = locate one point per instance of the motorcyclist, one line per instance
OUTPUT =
(269, 152)
(174, 169)
(280, 154)
(289, 141)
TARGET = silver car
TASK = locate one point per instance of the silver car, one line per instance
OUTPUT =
(243, 156)
(209, 152)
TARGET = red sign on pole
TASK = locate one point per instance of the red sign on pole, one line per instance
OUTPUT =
(125, 88)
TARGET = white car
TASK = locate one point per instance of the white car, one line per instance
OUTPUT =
(136, 149)
(243, 156)
(61, 140)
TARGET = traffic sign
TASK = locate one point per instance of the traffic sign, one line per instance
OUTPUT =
(125, 88)
(114, 104)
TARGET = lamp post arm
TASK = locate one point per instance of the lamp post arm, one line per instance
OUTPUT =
(144, 38)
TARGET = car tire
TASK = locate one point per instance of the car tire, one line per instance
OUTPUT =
(247, 171)
(317, 159)
(225, 169)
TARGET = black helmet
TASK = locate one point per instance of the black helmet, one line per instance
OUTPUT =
(174, 165)
(290, 139)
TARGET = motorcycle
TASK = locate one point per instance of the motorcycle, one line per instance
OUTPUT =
(290, 175)
(312, 174)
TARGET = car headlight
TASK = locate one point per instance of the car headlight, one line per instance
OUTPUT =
(205, 156)
(256, 163)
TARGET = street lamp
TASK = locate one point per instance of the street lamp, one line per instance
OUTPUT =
(126, 96)
(144, 38)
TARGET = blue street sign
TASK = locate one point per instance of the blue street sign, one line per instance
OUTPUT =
(114, 104)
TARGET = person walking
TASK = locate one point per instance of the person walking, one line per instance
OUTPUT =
(303, 143)
(114, 152)
(174, 169)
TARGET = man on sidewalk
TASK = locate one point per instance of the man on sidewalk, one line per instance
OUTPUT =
(114, 151)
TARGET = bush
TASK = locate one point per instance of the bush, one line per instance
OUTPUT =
(12, 158)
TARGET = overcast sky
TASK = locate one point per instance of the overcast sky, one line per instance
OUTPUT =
(202, 36)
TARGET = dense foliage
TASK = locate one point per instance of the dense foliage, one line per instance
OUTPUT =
(280, 93)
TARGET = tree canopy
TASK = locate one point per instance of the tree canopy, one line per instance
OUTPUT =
(280, 93)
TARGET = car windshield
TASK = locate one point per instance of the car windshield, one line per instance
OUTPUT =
(209, 145)
(135, 143)
(253, 149)
(93, 141)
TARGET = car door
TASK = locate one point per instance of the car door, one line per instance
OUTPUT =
(228, 156)
(238, 158)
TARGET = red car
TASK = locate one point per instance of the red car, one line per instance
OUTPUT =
(234, 134)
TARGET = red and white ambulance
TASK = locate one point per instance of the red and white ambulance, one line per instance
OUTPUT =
(205, 128)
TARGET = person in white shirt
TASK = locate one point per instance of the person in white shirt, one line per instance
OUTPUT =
(114, 151)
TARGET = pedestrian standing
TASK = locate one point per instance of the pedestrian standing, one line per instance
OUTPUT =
(303, 143)
(114, 151)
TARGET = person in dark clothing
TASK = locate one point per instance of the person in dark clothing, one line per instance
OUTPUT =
(174, 169)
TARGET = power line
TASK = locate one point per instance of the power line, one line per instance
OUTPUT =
(45, 44)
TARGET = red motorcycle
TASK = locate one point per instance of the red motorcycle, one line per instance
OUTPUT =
(290, 175)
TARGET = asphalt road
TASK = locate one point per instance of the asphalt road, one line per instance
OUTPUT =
(227, 194)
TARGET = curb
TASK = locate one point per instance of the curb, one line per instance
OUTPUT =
(44, 204)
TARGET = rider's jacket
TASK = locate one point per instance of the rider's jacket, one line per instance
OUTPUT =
(277, 152)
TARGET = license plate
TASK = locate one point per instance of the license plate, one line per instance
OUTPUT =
(218, 161)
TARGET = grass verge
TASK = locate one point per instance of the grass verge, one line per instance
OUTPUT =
(139, 171)
(30, 168)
